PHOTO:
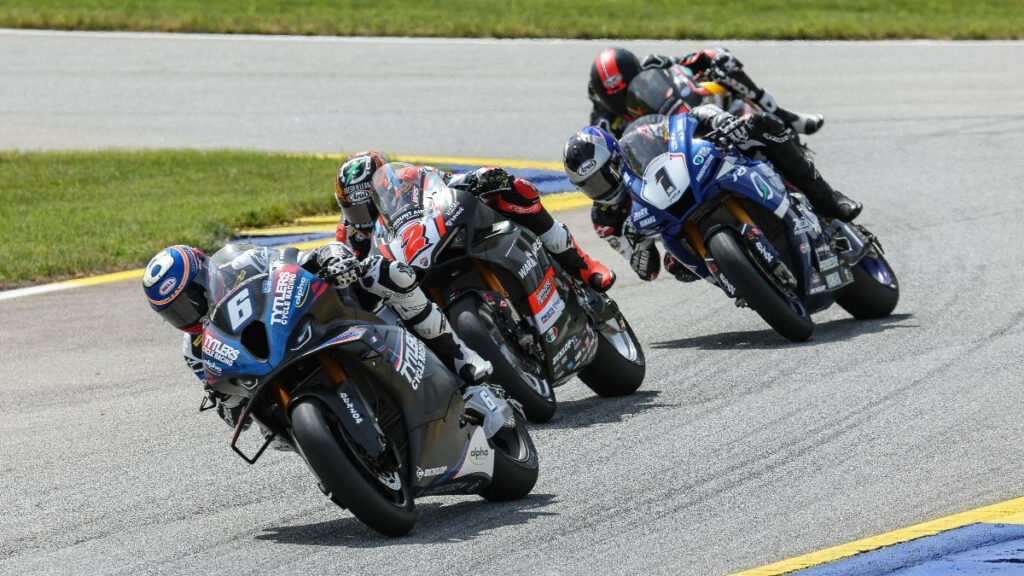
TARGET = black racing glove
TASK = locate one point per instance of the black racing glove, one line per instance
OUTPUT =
(339, 265)
(722, 66)
(732, 129)
(488, 181)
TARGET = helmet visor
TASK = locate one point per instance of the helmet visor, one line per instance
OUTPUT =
(185, 311)
(601, 186)
(359, 215)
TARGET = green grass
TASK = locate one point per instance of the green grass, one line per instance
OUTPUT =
(70, 214)
(756, 19)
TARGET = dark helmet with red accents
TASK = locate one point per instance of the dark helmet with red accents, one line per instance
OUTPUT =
(610, 75)
(176, 286)
(353, 187)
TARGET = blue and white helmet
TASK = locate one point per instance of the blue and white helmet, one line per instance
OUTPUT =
(175, 285)
(592, 159)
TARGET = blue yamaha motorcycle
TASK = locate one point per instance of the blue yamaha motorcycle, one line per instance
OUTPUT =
(732, 221)
(373, 412)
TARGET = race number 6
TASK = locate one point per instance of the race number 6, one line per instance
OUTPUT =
(239, 309)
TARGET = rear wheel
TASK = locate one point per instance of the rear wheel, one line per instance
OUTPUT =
(618, 367)
(786, 316)
(515, 464)
(520, 376)
(379, 497)
(875, 290)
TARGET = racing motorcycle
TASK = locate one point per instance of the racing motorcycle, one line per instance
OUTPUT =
(536, 324)
(732, 221)
(374, 413)
(673, 90)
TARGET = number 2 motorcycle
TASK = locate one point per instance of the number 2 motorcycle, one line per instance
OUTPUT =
(732, 221)
(505, 297)
(374, 413)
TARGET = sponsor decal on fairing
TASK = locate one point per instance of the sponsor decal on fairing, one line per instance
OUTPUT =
(218, 350)
(280, 309)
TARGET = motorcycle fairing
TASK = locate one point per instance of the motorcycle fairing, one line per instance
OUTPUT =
(251, 325)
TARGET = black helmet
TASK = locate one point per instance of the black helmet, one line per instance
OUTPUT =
(610, 75)
(353, 186)
(592, 160)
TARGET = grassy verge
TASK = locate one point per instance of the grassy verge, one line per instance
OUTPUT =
(70, 214)
(755, 19)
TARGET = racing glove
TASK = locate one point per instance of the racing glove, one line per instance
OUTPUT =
(731, 128)
(339, 265)
(488, 181)
(722, 66)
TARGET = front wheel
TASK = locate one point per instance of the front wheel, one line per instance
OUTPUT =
(380, 499)
(618, 367)
(788, 318)
(874, 292)
(515, 464)
(474, 323)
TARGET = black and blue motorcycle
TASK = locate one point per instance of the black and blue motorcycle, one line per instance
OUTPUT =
(374, 413)
(733, 221)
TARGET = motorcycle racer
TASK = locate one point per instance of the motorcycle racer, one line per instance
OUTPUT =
(592, 159)
(176, 286)
(516, 198)
(615, 68)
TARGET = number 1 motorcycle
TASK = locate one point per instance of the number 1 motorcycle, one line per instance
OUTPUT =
(731, 220)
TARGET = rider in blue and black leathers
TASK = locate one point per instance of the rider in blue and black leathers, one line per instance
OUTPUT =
(592, 159)
(175, 285)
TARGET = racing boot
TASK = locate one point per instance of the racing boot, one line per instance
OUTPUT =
(739, 82)
(562, 246)
(800, 123)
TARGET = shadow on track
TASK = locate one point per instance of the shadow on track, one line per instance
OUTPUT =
(592, 410)
(831, 331)
(437, 523)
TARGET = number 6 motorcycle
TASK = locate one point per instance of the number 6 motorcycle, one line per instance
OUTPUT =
(374, 413)
(731, 221)
(536, 324)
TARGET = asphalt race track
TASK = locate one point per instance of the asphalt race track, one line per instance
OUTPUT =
(739, 450)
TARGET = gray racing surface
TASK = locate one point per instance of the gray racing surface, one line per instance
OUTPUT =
(740, 449)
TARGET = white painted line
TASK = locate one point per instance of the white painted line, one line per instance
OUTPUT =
(33, 290)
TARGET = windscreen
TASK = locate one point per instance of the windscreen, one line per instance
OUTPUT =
(645, 140)
(235, 263)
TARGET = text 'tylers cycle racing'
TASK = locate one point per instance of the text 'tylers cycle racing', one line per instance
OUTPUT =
(732, 221)
(374, 413)
(505, 297)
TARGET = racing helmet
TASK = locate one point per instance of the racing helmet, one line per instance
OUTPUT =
(610, 75)
(592, 159)
(353, 186)
(175, 285)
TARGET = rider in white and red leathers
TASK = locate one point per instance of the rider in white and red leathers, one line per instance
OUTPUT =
(516, 198)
